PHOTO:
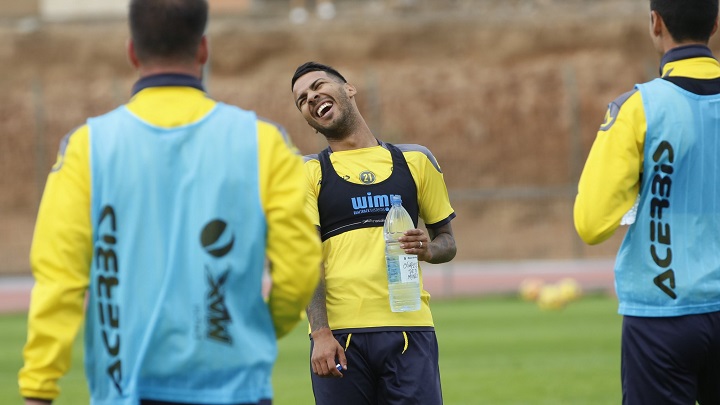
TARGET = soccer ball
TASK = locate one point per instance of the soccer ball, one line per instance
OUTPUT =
(570, 289)
(551, 298)
(530, 289)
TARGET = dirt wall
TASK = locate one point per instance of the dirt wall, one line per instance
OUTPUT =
(508, 95)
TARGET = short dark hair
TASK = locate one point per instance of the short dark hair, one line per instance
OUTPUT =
(167, 29)
(687, 20)
(308, 67)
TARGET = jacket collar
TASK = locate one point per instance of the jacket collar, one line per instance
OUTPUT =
(167, 80)
(684, 52)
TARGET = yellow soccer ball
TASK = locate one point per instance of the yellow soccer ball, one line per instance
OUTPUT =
(570, 289)
(551, 298)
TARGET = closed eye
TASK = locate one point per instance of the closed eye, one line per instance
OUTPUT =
(299, 103)
(314, 86)
(317, 84)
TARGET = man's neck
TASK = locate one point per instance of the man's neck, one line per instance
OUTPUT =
(359, 140)
(150, 70)
(670, 45)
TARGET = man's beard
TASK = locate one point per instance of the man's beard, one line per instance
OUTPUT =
(343, 127)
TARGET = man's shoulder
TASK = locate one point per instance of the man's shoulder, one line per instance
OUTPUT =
(268, 129)
(628, 100)
(312, 158)
(78, 136)
(266, 124)
(311, 164)
(414, 151)
(623, 98)
(413, 147)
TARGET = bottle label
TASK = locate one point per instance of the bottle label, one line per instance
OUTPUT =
(409, 271)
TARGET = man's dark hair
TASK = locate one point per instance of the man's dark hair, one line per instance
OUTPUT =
(687, 20)
(308, 67)
(167, 29)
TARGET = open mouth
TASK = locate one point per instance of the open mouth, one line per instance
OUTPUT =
(323, 109)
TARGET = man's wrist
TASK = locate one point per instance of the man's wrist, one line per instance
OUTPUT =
(321, 332)
(37, 401)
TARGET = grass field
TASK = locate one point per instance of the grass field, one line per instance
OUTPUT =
(497, 351)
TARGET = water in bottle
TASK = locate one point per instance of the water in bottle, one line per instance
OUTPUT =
(402, 269)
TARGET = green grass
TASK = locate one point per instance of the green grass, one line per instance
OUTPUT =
(496, 350)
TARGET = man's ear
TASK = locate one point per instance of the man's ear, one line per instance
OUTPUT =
(715, 27)
(350, 89)
(132, 55)
(656, 23)
(203, 51)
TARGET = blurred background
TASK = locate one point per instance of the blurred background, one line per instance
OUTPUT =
(507, 94)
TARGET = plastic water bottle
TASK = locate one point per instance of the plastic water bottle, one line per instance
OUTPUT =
(402, 269)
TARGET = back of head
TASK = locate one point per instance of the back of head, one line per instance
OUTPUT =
(687, 20)
(167, 30)
(308, 67)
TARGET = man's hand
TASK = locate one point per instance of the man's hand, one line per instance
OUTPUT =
(416, 242)
(437, 246)
(33, 401)
(325, 350)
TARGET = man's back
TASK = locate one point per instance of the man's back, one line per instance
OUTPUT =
(182, 295)
(173, 200)
(668, 263)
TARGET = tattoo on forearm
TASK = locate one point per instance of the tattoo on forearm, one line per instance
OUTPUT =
(316, 310)
(442, 248)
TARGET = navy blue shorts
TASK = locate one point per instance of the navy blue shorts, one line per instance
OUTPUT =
(673, 360)
(381, 370)
(151, 402)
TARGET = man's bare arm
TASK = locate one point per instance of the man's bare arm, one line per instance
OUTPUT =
(326, 350)
(442, 244)
(317, 310)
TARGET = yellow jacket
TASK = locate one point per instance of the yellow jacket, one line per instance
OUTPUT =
(62, 245)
